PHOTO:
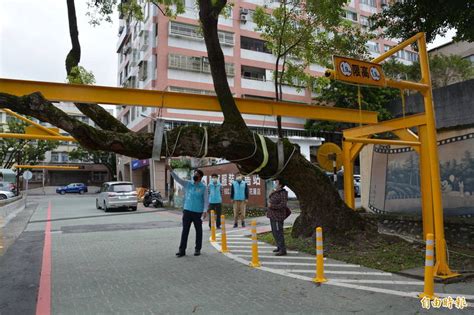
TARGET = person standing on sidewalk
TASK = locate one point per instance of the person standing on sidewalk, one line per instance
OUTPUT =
(215, 199)
(277, 212)
(239, 195)
(195, 205)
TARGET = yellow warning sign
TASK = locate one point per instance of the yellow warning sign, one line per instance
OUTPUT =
(358, 71)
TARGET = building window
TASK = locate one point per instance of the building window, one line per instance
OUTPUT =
(143, 70)
(373, 47)
(387, 48)
(365, 22)
(350, 15)
(372, 3)
(254, 44)
(411, 56)
(185, 62)
(64, 157)
(192, 31)
(226, 38)
(196, 64)
(54, 156)
(190, 91)
(253, 73)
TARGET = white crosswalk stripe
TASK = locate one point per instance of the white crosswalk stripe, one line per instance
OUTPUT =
(302, 266)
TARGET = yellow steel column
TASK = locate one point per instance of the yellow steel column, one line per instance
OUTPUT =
(425, 183)
(441, 267)
(348, 174)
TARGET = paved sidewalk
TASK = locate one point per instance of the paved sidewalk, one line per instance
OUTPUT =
(302, 266)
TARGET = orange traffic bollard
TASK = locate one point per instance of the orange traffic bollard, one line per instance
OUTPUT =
(255, 261)
(213, 226)
(223, 236)
(319, 257)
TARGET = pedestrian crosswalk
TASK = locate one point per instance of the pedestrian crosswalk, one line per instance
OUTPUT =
(303, 266)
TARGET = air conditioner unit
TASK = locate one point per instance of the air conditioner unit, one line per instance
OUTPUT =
(244, 18)
(244, 11)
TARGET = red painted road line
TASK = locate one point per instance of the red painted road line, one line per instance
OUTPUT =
(43, 304)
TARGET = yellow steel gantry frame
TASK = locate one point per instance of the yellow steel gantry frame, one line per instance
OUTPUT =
(424, 143)
(152, 98)
(355, 138)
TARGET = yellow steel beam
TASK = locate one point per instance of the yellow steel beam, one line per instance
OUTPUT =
(386, 126)
(33, 130)
(407, 135)
(397, 84)
(355, 150)
(397, 48)
(150, 98)
(382, 141)
(35, 137)
(43, 128)
(48, 167)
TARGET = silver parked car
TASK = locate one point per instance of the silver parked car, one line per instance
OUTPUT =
(6, 194)
(117, 195)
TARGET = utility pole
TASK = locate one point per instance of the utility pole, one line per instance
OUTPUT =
(18, 162)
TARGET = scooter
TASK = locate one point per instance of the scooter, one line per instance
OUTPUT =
(153, 197)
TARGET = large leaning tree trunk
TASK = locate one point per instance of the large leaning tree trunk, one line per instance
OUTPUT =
(319, 201)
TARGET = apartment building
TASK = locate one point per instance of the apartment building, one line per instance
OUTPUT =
(170, 55)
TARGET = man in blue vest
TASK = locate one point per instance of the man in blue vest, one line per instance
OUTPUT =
(239, 195)
(195, 203)
(215, 199)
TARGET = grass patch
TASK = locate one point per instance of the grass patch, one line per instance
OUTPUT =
(378, 251)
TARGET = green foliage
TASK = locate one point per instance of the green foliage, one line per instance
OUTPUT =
(301, 33)
(346, 96)
(79, 75)
(107, 159)
(444, 70)
(403, 19)
(186, 164)
(30, 152)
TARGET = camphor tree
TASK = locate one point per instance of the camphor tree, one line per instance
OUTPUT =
(301, 33)
(319, 201)
(403, 19)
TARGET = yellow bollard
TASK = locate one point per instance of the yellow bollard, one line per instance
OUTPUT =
(223, 236)
(319, 257)
(255, 262)
(429, 271)
(213, 226)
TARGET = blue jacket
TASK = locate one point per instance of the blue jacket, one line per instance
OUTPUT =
(195, 195)
(239, 191)
(215, 195)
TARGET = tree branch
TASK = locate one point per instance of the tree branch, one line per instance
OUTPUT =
(99, 115)
(209, 21)
(131, 144)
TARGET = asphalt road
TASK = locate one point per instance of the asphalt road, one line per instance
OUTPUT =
(91, 262)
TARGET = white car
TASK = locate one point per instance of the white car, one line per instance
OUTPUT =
(6, 194)
(113, 195)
